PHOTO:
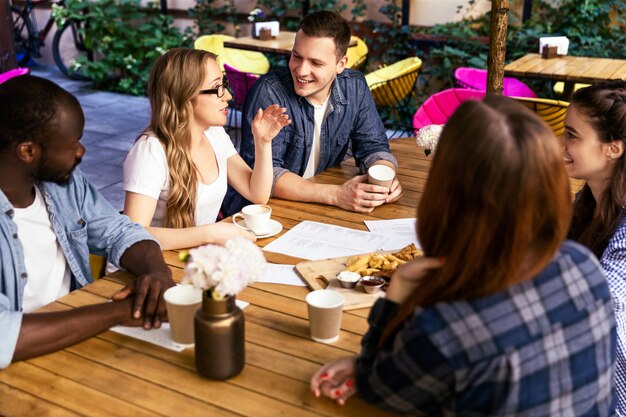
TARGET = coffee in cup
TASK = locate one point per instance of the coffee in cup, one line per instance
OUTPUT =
(256, 217)
(325, 308)
(382, 175)
(182, 302)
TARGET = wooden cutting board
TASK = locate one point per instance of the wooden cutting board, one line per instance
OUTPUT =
(322, 274)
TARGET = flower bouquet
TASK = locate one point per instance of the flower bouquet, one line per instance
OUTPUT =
(223, 270)
(256, 15)
(428, 137)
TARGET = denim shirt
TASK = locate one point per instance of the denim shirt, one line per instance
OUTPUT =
(84, 222)
(351, 118)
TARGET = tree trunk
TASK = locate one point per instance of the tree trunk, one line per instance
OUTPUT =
(7, 47)
(497, 46)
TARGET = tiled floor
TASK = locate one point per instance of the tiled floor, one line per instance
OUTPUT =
(112, 122)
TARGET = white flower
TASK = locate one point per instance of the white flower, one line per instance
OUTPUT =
(428, 137)
(225, 269)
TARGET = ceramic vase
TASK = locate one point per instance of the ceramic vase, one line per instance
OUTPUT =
(219, 333)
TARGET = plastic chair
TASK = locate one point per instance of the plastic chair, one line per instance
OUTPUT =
(16, 72)
(476, 79)
(240, 84)
(245, 61)
(393, 89)
(551, 111)
(357, 54)
(438, 108)
(560, 86)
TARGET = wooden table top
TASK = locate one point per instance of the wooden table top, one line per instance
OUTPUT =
(113, 374)
(281, 45)
(574, 69)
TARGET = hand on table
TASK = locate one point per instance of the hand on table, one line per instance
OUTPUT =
(335, 380)
(408, 276)
(357, 195)
(148, 303)
(267, 123)
(395, 191)
(220, 232)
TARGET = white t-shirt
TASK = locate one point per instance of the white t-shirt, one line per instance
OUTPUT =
(314, 159)
(146, 173)
(49, 275)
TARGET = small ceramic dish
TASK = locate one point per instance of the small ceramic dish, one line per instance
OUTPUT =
(372, 285)
(348, 279)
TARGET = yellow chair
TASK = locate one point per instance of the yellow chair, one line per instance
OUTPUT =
(245, 61)
(97, 264)
(393, 88)
(393, 83)
(357, 54)
(551, 111)
(559, 87)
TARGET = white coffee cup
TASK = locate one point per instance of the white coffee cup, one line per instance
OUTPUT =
(182, 302)
(256, 217)
(325, 309)
(382, 175)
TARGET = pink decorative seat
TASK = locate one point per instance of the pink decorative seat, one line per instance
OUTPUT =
(476, 79)
(13, 73)
(240, 84)
(438, 108)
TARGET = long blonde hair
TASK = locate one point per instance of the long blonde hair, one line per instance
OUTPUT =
(174, 81)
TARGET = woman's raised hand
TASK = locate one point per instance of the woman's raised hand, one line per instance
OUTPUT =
(267, 123)
(407, 277)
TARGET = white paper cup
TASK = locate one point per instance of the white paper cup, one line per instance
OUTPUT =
(325, 310)
(256, 217)
(182, 302)
(382, 175)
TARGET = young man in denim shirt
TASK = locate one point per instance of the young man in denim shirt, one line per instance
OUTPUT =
(331, 108)
(51, 218)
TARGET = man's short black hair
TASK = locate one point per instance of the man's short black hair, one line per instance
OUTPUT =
(328, 24)
(28, 107)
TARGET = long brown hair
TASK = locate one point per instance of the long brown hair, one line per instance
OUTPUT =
(603, 105)
(496, 204)
(176, 78)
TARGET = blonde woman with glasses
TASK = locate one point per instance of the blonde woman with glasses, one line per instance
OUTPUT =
(177, 172)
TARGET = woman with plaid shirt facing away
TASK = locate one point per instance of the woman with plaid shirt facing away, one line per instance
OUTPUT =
(503, 317)
(593, 150)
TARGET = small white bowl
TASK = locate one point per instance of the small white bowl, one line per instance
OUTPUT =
(348, 279)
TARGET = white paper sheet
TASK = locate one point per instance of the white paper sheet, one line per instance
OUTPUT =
(313, 240)
(281, 274)
(399, 232)
(161, 336)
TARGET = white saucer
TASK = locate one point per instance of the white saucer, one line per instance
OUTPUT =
(274, 228)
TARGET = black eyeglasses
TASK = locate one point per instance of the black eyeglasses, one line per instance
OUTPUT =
(220, 90)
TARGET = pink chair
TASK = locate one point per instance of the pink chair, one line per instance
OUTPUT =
(476, 79)
(240, 84)
(16, 72)
(438, 108)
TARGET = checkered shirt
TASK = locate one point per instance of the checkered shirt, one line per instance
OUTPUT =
(614, 263)
(543, 347)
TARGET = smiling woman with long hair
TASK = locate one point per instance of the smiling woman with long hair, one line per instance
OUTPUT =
(594, 142)
(176, 174)
(502, 316)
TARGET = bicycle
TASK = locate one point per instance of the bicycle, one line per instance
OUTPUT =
(67, 44)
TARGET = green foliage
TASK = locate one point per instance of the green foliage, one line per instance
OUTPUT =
(391, 39)
(206, 16)
(126, 39)
(586, 23)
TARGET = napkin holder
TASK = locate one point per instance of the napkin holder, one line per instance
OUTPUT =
(265, 30)
(553, 46)
(549, 52)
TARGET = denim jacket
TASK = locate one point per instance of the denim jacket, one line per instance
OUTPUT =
(351, 119)
(84, 222)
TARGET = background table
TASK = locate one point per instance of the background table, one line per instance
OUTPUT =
(112, 374)
(569, 69)
(281, 45)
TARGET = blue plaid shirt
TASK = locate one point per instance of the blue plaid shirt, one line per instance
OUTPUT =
(614, 263)
(543, 347)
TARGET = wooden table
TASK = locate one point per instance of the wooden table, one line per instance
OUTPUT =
(281, 45)
(112, 374)
(569, 69)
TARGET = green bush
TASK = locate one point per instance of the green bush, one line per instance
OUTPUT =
(126, 39)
